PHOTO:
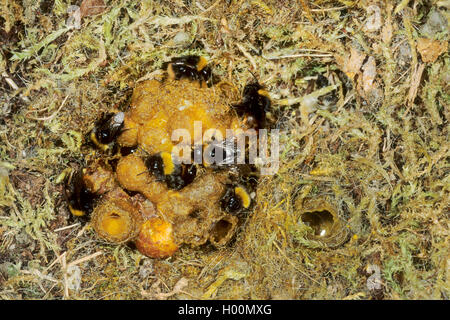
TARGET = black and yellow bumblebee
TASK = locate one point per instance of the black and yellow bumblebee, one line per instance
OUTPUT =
(235, 199)
(106, 130)
(176, 176)
(254, 105)
(79, 198)
(191, 67)
(221, 154)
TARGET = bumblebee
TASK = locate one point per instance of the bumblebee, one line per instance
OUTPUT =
(235, 199)
(254, 105)
(176, 176)
(229, 153)
(190, 67)
(106, 130)
(79, 198)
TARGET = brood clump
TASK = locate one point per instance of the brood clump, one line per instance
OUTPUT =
(193, 202)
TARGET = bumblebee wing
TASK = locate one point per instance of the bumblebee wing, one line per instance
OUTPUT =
(109, 127)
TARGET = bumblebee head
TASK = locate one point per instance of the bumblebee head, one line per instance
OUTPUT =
(254, 105)
(155, 165)
(255, 95)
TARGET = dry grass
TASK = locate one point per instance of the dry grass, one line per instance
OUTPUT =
(379, 151)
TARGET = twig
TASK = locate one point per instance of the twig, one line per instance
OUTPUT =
(211, 7)
(37, 273)
(48, 292)
(10, 81)
(247, 55)
(52, 115)
(328, 9)
(56, 261)
(66, 281)
(349, 97)
(84, 259)
(14, 86)
(67, 227)
(298, 55)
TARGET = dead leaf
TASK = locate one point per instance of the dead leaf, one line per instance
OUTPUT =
(224, 28)
(157, 294)
(92, 7)
(388, 28)
(369, 74)
(179, 286)
(415, 82)
(351, 64)
(430, 50)
(74, 19)
(374, 21)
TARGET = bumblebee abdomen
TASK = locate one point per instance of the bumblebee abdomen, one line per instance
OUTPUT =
(107, 129)
(235, 199)
(175, 175)
(80, 199)
(189, 67)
